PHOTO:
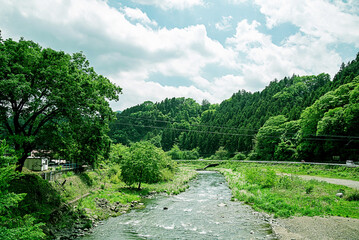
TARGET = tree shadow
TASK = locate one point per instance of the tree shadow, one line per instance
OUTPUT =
(134, 190)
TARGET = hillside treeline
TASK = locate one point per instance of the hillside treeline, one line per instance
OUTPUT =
(296, 118)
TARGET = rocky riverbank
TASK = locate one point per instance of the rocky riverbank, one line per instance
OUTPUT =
(82, 222)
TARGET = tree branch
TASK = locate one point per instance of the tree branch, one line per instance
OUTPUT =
(45, 120)
(34, 116)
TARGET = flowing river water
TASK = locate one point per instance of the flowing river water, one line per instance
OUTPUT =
(204, 211)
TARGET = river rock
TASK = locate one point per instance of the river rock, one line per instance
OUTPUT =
(339, 195)
(222, 205)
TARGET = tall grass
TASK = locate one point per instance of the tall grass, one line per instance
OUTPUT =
(285, 196)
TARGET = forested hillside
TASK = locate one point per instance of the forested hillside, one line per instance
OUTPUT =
(270, 124)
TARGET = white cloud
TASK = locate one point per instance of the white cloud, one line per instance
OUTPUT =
(136, 91)
(136, 14)
(224, 24)
(265, 61)
(331, 22)
(129, 47)
(171, 4)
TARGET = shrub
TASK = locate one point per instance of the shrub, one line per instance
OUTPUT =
(239, 156)
(221, 154)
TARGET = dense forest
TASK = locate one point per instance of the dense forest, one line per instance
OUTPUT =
(299, 117)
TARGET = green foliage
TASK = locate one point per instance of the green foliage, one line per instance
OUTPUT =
(289, 120)
(156, 122)
(334, 114)
(51, 100)
(144, 164)
(177, 154)
(86, 179)
(239, 156)
(285, 151)
(220, 154)
(14, 222)
(117, 153)
(7, 157)
(269, 136)
(114, 174)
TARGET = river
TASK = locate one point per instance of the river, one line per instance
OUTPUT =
(204, 211)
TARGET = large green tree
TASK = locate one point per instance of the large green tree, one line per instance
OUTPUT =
(145, 163)
(51, 100)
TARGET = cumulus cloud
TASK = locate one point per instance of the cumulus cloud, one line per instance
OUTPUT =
(171, 4)
(265, 61)
(129, 47)
(136, 14)
(318, 18)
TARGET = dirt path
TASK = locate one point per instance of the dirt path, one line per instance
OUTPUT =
(344, 182)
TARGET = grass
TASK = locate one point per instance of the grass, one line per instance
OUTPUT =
(340, 172)
(106, 184)
(285, 196)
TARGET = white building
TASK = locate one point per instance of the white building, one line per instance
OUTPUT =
(36, 163)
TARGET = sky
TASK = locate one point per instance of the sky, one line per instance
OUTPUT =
(200, 49)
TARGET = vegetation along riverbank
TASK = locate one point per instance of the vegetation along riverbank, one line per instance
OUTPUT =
(54, 108)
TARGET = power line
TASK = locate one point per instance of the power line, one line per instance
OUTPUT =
(314, 138)
(199, 125)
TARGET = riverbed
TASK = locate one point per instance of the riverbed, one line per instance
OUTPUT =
(204, 211)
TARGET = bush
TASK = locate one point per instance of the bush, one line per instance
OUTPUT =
(221, 154)
(177, 154)
(239, 156)
(252, 156)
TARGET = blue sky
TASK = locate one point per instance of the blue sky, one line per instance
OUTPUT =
(202, 49)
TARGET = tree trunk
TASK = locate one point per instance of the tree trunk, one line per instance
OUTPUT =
(20, 162)
(139, 186)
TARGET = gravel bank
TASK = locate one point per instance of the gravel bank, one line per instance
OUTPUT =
(344, 182)
(317, 228)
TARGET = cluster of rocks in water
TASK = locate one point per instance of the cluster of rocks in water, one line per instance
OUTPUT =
(84, 222)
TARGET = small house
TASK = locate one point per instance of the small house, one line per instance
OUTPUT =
(36, 163)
